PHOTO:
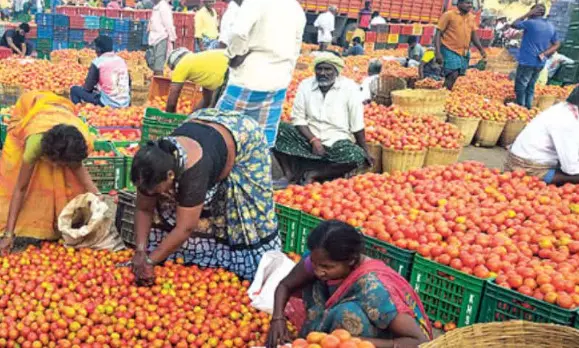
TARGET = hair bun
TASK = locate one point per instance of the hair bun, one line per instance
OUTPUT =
(152, 143)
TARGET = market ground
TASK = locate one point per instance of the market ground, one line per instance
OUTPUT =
(493, 157)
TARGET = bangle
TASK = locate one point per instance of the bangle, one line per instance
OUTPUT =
(149, 261)
(314, 139)
(141, 247)
(277, 319)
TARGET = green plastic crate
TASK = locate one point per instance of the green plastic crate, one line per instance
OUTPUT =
(128, 163)
(107, 23)
(108, 173)
(288, 220)
(576, 323)
(156, 115)
(76, 45)
(3, 133)
(307, 224)
(397, 258)
(502, 304)
(44, 45)
(159, 124)
(448, 295)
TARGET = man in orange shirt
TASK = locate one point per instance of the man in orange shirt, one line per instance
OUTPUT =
(456, 30)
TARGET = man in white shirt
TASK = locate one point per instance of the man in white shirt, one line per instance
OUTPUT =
(369, 86)
(326, 139)
(548, 147)
(377, 19)
(264, 46)
(325, 23)
(227, 22)
(162, 36)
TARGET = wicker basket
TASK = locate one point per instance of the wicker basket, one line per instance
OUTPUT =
(544, 102)
(375, 150)
(443, 116)
(488, 133)
(386, 85)
(467, 127)
(401, 160)
(509, 334)
(10, 94)
(440, 156)
(511, 131)
(139, 95)
(421, 101)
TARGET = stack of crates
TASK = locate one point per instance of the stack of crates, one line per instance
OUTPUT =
(121, 28)
(135, 35)
(559, 16)
(61, 26)
(145, 36)
(44, 34)
(185, 28)
(569, 73)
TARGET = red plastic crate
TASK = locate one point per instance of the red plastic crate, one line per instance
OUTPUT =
(406, 30)
(428, 30)
(83, 11)
(426, 40)
(142, 14)
(5, 52)
(371, 36)
(112, 13)
(90, 35)
(127, 14)
(395, 28)
(97, 12)
(76, 22)
(403, 46)
(33, 33)
(67, 10)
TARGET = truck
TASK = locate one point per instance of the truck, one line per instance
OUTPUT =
(404, 12)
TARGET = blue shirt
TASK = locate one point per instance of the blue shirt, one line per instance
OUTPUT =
(538, 36)
(356, 50)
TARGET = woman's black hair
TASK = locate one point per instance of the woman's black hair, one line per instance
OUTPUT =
(152, 163)
(341, 241)
(64, 143)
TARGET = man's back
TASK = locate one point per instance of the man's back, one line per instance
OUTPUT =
(274, 37)
(113, 80)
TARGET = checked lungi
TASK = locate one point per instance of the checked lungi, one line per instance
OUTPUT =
(264, 107)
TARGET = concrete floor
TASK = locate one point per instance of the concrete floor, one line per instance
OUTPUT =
(493, 157)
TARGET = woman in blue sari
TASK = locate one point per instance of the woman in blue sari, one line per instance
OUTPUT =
(342, 289)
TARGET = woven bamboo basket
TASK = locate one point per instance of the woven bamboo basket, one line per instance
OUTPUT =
(441, 156)
(10, 94)
(511, 131)
(375, 151)
(421, 101)
(401, 160)
(508, 334)
(139, 95)
(488, 133)
(544, 102)
(443, 116)
(467, 127)
(386, 85)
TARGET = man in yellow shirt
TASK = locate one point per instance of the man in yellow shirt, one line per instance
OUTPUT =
(206, 24)
(205, 69)
(456, 30)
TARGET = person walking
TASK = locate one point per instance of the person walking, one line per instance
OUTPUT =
(162, 36)
(265, 44)
(206, 26)
(456, 31)
(325, 23)
(539, 42)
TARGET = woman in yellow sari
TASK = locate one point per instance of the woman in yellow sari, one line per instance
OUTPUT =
(41, 167)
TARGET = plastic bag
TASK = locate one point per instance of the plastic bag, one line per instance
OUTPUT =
(86, 221)
(273, 268)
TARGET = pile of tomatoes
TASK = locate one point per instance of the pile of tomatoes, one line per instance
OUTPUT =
(474, 219)
(60, 297)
